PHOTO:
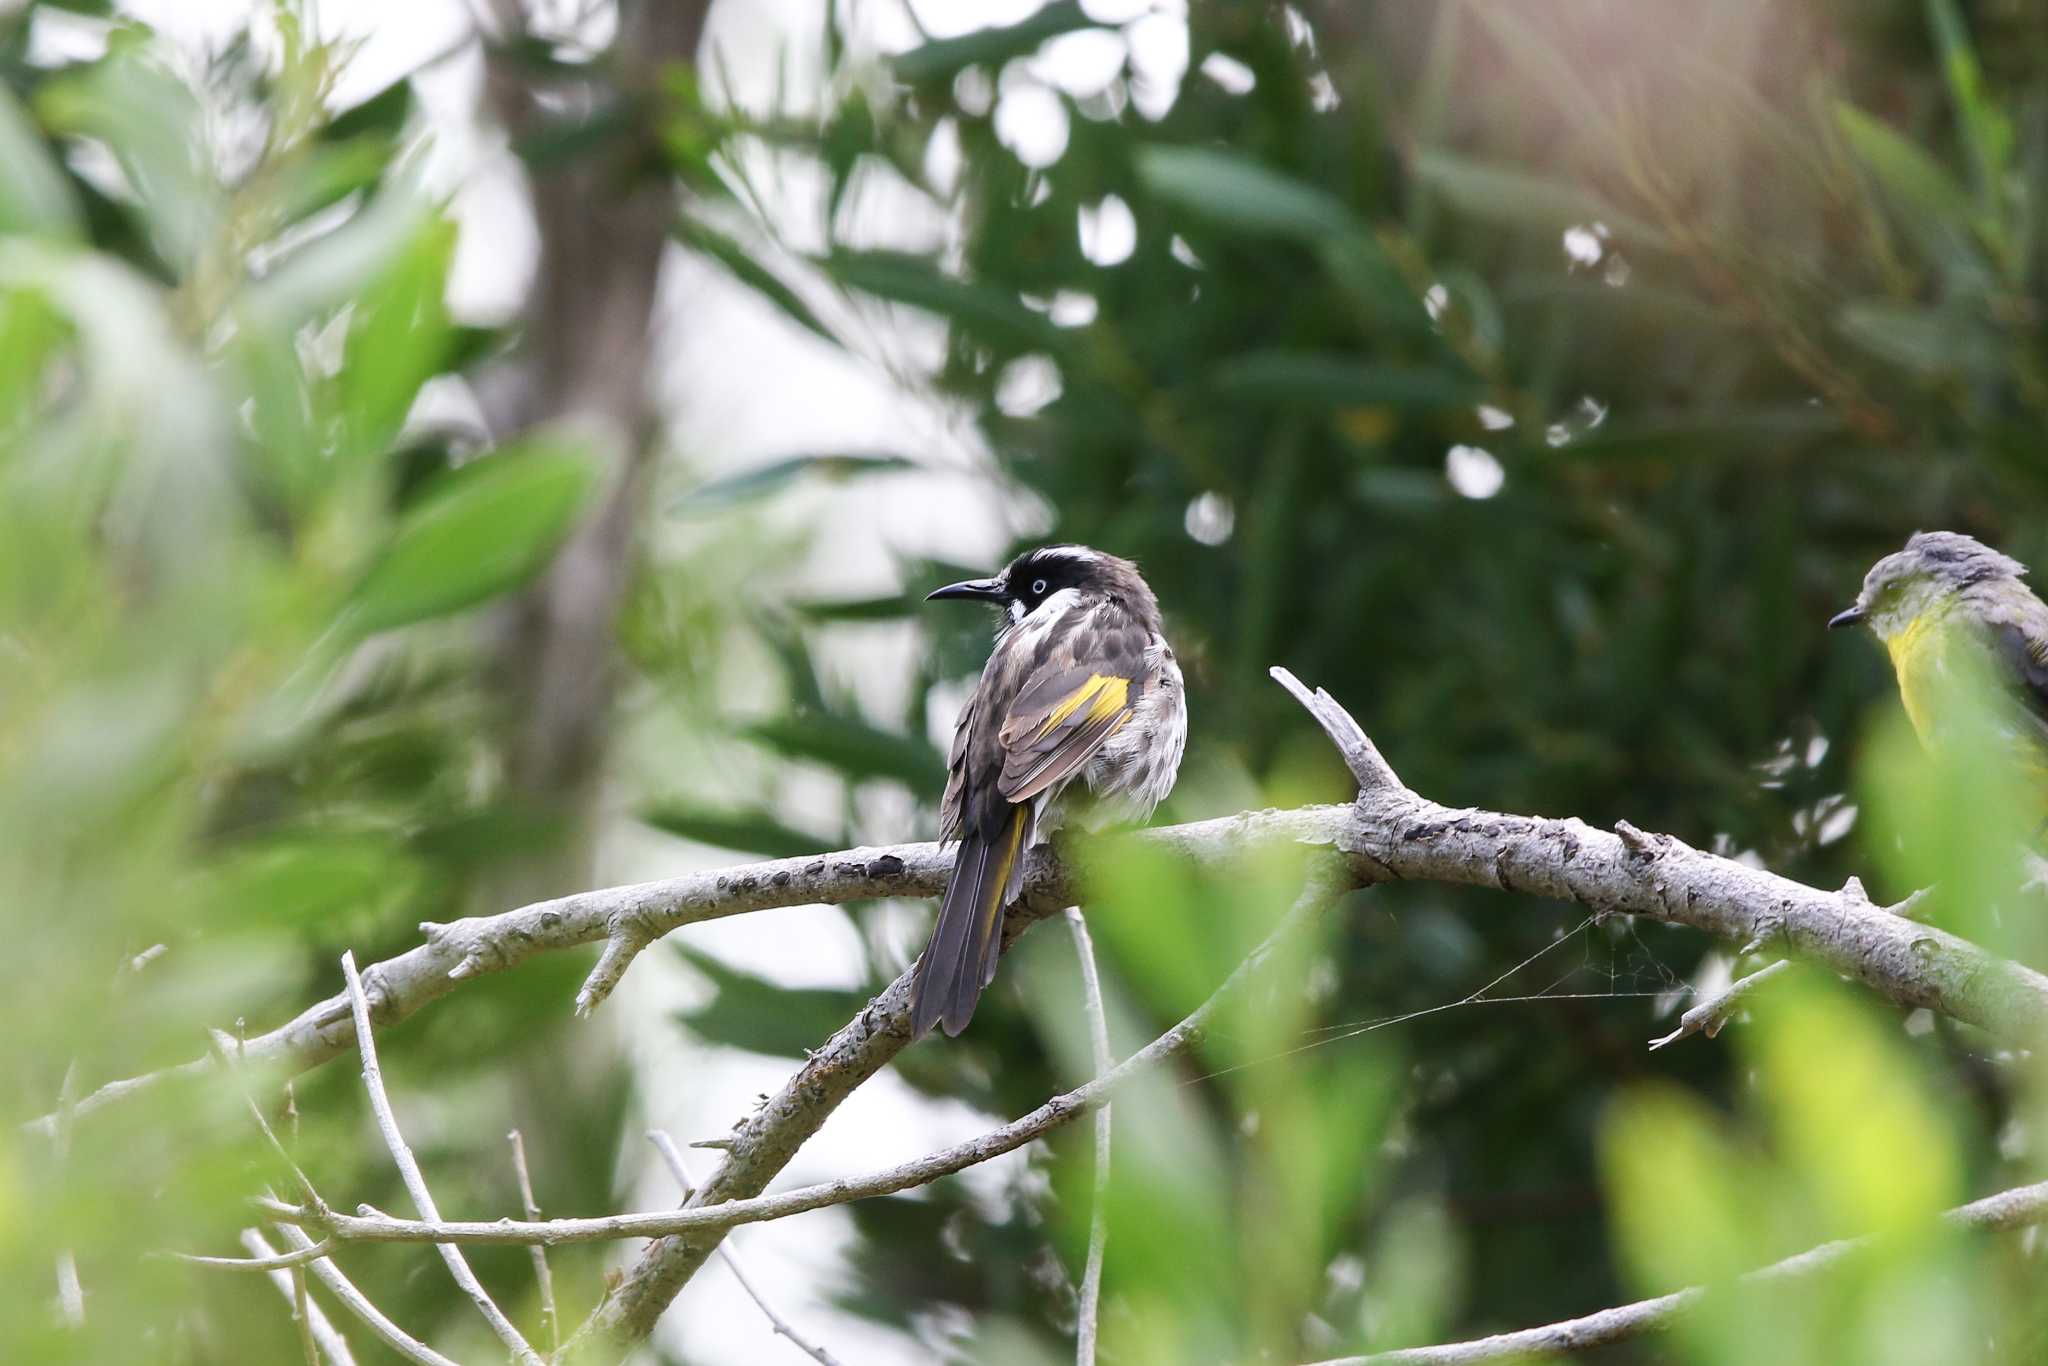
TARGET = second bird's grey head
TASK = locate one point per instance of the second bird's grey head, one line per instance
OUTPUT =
(1934, 567)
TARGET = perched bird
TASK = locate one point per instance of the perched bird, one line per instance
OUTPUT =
(1081, 684)
(1946, 604)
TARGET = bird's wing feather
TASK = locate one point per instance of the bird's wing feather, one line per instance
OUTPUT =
(951, 809)
(2023, 653)
(1069, 707)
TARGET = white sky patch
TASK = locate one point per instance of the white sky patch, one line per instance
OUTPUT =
(1109, 232)
(1027, 384)
(974, 91)
(1072, 308)
(942, 157)
(1210, 518)
(1474, 472)
(1233, 76)
(1032, 123)
(1436, 299)
(1494, 419)
(1083, 63)
(1159, 62)
(1184, 253)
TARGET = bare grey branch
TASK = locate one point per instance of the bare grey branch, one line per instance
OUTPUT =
(2017, 1208)
(415, 1180)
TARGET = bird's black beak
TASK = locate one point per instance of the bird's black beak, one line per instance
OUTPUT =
(974, 590)
(1848, 618)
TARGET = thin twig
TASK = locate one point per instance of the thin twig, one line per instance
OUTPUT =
(219, 1045)
(549, 1319)
(415, 1181)
(275, 1262)
(1711, 1014)
(1098, 1214)
(334, 1348)
(2019, 1207)
(302, 1316)
(666, 1146)
(356, 1302)
(70, 1292)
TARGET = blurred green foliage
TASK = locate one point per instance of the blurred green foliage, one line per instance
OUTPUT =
(1536, 377)
(246, 712)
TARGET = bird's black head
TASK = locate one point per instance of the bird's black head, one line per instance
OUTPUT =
(1055, 576)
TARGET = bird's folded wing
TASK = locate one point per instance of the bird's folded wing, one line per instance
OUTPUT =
(1060, 718)
(2023, 653)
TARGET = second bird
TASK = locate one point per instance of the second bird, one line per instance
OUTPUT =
(1081, 684)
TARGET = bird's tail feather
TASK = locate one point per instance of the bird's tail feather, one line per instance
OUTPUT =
(960, 961)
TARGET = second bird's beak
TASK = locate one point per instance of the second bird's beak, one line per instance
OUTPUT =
(1848, 618)
(975, 590)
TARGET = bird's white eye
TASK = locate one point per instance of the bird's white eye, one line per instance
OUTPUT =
(1038, 588)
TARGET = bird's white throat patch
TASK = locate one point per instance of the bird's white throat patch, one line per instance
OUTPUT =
(1051, 610)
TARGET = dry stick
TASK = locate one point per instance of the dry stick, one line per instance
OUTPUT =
(666, 1146)
(415, 1181)
(2019, 1207)
(333, 1347)
(549, 1318)
(1710, 1015)
(1326, 881)
(278, 1261)
(220, 1044)
(70, 1293)
(1098, 1214)
(302, 1316)
(357, 1303)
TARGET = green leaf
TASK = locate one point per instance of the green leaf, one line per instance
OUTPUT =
(1903, 170)
(1332, 379)
(720, 494)
(752, 1012)
(1240, 195)
(155, 127)
(889, 607)
(1987, 132)
(991, 312)
(1927, 341)
(945, 58)
(482, 530)
(853, 748)
(702, 237)
(384, 115)
(312, 876)
(744, 831)
(1505, 195)
(35, 196)
(397, 337)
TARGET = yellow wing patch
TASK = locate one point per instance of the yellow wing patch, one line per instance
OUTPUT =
(1103, 694)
